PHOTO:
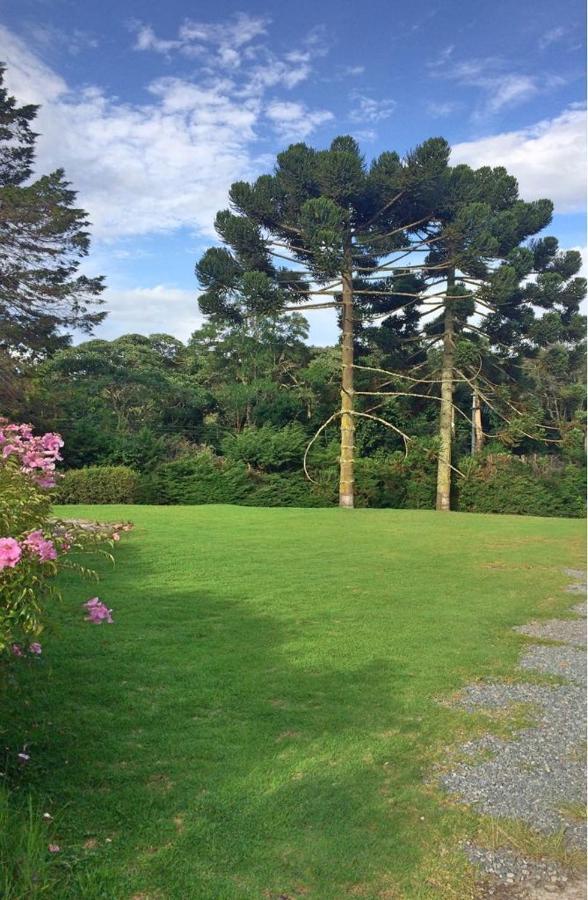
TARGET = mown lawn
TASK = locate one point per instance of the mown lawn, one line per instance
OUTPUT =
(260, 719)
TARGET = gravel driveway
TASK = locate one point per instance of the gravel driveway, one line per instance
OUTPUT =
(539, 776)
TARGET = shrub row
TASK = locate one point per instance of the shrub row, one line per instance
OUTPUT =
(493, 483)
(499, 483)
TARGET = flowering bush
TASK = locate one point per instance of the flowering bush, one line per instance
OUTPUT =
(33, 545)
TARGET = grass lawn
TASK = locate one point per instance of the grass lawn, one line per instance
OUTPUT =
(259, 720)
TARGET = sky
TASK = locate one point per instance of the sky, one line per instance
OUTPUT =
(153, 109)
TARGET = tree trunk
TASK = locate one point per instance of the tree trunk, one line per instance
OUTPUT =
(446, 414)
(477, 430)
(346, 489)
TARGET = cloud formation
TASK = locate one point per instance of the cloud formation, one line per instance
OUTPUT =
(167, 164)
(367, 109)
(499, 88)
(293, 121)
(547, 158)
(149, 310)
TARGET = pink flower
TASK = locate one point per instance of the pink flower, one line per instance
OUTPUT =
(35, 648)
(10, 553)
(98, 611)
(38, 546)
(46, 481)
(52, 442)
(17, 650)
(37, 454)
(54, 848)
(116, 536)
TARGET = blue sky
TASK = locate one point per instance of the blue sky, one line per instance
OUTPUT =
(154, 109)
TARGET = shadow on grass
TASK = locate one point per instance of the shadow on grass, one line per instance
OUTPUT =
(194, 755)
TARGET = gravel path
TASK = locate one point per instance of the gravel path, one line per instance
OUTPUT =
(541, 774)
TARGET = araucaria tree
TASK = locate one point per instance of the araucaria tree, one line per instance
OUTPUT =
(43, 238)
(477, 226)
(329, 229)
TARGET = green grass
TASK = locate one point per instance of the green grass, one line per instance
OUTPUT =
(260, 720)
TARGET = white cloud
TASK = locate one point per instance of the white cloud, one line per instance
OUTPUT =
(552, 36)
(149, 310)
(294, 121)
(147, 40)
(500, 89)
(220, 42)
(509, 90)
(163, 164)
(547, 158)
(367, 109)
(48, 37)
(438, 109)
(233, 45)
(242, 30)
(353, 71)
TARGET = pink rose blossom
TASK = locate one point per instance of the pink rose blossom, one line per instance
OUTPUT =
(54, 848)
(35, 648)
(10, 553)
(17, 650)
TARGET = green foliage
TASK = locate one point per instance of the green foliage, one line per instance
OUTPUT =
(22, 504)
(268, 448)
(290, 489)
(500, 483)
(98, 484)
(199, 478)
(43, 241)
(26, 588)
(399, 480)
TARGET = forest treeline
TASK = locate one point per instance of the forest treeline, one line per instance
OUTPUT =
(227, 417)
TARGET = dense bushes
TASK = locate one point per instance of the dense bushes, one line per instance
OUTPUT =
(493, 483)
(268, 448)
(195, 479)
(500, 483)
(291, 490)
(206, 478)
(98, 484)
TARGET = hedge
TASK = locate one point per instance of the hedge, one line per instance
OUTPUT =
(493, 483)
(499, 483)
(98, 484)
(199, 478)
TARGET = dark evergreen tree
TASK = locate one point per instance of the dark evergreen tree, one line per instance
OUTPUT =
(339, 225)
(43, 238)
(475, 233)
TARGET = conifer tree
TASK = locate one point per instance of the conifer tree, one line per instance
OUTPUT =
(325, 227)
(43, 238)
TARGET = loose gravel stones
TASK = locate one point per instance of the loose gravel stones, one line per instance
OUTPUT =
(568, 631)
(541, 774)
(513, 869)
